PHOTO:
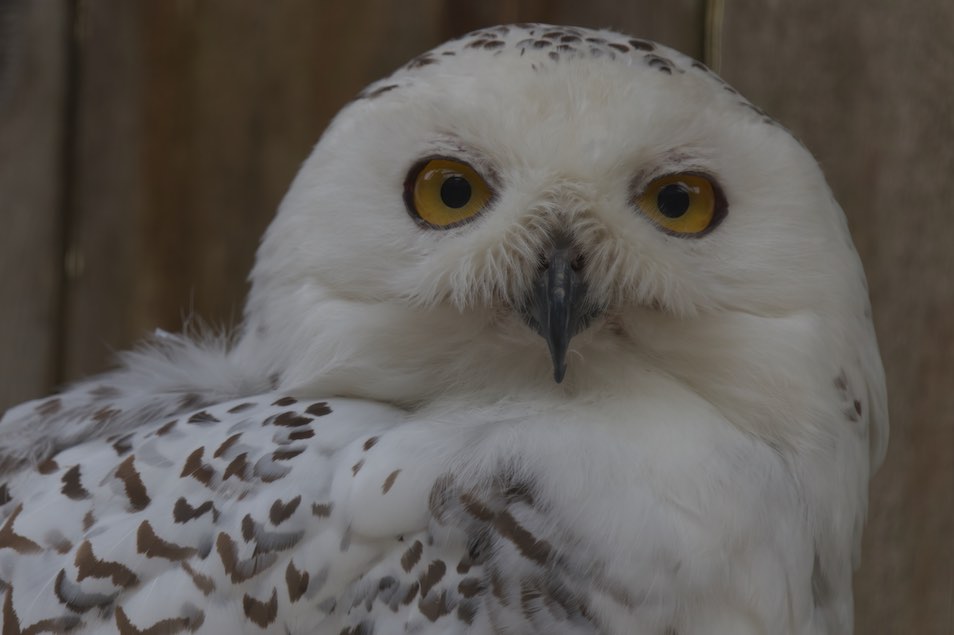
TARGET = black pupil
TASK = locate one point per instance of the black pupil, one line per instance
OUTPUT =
(455, 192)
(673, 200)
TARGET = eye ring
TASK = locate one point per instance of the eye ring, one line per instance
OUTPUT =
(443, 193)
(683, 204)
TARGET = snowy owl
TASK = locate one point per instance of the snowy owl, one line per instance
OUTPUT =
(553, 333)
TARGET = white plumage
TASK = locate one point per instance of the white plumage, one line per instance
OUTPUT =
(384, 448)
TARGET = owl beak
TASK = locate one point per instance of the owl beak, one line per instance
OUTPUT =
(555, 305)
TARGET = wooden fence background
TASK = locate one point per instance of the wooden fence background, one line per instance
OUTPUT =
(144, 146)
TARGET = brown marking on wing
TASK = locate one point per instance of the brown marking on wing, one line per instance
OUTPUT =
(285, 401)
(411, 556)
(237, 467)
(297, 582)
(88, 520)
(76, 600)
(318, 409)
(435, 606)
(290, 419)
(203, 417)
(240, 570)
(132, 481)
(370, 443)
(121, 445)
(476, 508)
(168, 626)
(73, 486)
(11, 621)
(183, 512)
(105, 414)
(152, 546)
(281, 512)
(469, 587)
(89, 566)
(411, 593)
(203, 582)
(322, 510)
(286, 455)
(535, 549)
(434, 573)
(47, 467)
(261, 613)
(166, 428)
(9, 539)
(222, 449)
(266, 541)
(60, 544)
(195, 468)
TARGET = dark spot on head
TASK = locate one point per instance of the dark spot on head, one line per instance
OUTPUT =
(622, 48)
(380, 90)
(659, 63)
(422, 60)
(642, 45)
(389, 481)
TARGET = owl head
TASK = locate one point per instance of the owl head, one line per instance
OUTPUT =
(537, 209)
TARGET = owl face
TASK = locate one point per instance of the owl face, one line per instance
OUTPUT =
(535, 201)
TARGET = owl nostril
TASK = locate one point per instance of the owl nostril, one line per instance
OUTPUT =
(543, 263)
(577, 263)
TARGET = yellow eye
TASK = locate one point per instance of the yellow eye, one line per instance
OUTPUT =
(684, 204)
(443, 193)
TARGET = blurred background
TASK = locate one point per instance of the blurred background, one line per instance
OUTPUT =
(144, 147)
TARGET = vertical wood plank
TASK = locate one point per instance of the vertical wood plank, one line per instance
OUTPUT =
(33, 40)
(867, 86)
(105, 204)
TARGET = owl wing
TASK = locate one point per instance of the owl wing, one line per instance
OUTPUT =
(233, 517)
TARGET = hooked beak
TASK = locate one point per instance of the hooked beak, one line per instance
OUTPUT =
(555, 306)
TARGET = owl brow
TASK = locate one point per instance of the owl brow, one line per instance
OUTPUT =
(674, 161)
(452, 146)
